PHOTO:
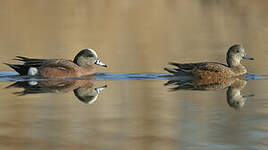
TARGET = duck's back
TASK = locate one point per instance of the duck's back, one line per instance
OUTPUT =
(206, 69)
(59, 68)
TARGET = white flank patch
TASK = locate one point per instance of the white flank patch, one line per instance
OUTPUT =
(32, 71)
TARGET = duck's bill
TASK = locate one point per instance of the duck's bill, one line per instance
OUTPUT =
(98, 62)
(99, 89)
(248, 57)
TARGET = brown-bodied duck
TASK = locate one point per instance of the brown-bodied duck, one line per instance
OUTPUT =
(82, 65)
(214, 69)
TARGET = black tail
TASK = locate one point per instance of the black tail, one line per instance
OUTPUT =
(177, 71)
(174, 64)
(31, 61)
(21, 69)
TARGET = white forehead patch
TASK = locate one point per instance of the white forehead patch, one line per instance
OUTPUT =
(93, 52)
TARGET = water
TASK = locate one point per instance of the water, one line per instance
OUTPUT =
(128, 105)
(145, 111)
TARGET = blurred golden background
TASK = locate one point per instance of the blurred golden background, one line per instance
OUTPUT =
(134, 36)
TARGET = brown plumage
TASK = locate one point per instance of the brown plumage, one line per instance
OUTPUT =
(214, 69)
(82, 65)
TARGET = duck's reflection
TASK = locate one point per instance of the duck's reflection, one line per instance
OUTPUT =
(233, 94)
(83, 89)
(88, 95)
(233, 85)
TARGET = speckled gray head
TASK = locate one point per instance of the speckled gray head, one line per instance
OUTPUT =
(235, 54)
(88, 57)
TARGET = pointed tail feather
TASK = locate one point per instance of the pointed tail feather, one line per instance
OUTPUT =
(178, 71)
(32, 61)
(173, 71)
(174, 64)
(21, 69)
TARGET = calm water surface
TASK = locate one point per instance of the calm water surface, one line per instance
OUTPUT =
(127, 106)
(132, 109)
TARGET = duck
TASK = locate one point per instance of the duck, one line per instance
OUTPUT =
(209, 70)
(82, 65)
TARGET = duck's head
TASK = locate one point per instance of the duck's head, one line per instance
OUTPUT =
(88, 95)
(235, 54)
(87, 57)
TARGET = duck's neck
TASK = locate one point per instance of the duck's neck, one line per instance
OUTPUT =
(88, 70)
(236, 66)
(233, 62)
